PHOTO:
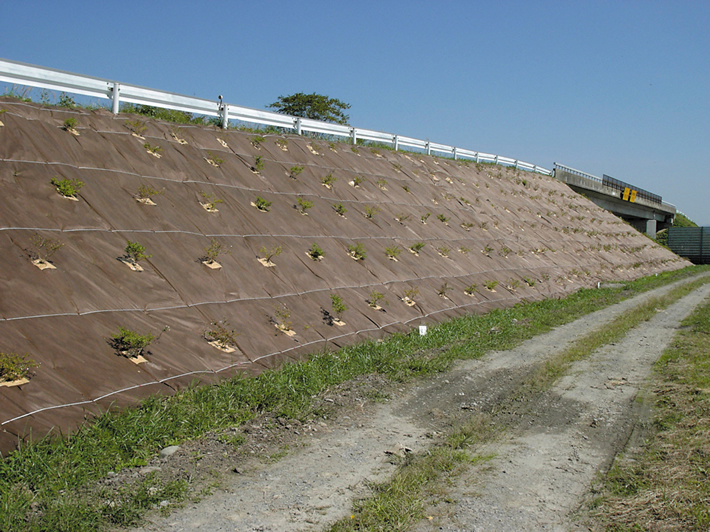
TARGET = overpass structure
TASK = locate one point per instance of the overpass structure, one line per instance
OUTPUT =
(645, 211)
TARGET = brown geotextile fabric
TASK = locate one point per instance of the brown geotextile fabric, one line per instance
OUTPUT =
(513, 227)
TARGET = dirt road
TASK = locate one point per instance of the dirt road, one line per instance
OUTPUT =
(543, 466)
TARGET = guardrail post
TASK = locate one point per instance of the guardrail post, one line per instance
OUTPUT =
(225, 115)
(516, 165)
(456, 155)
(535, 169)
(298, 126)
(353, 134)
(115, 98)
(428, 148)
(395, 140)
(477, 158)
(495, 160)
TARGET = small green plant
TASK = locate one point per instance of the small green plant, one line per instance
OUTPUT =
(443, 289)
(504, 251)
(382, 183)
(490, 285)
(45, 247)
(213, 159)
(487, 250)
(374, 299)
(147, 192)
(332, 146)
(470, 289)
(530, 282)
(355, 149)
(258, 163)
(443, 251)
(417, 247)
(425, 217)
(303, 205)
(371, 211)
(397, 167)
(262, 204)
(14, 367)
(484, 226)
(442, 218)
(256, 141)
(316, 252)
(283, 318)
(467, 226)
(136, 252)
(357, 251)
(406, 188)
(130, 343)
(513, 284)
(295, 171)
(357, 181)
(69, 123)
(268, 254)
(136, 127)
(401, 217)
(211, 201)
(68, 188)
(338, 305)
(155, 150)
(340, 209)
(393, 252)
(213, 250)
(282, 143)
(221, 333)
(411, 293)
(328, 180)
(464, 250)
(66, 101)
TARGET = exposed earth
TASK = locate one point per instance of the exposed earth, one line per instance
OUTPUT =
(288, 476)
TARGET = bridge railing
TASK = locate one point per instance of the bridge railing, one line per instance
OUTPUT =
(18, 73)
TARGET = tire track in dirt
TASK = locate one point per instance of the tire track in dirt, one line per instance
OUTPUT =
(552, 449)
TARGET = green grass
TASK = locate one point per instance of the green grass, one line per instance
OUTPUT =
(53, 473)
(665, 484)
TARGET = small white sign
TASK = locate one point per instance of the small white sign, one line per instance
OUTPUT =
(422, 330)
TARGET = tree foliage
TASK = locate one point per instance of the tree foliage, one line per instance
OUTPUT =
(313, 106)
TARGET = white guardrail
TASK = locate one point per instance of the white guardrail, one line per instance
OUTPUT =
(47, 78)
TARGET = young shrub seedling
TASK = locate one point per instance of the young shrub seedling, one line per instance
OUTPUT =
(442, 218)
(256, 141)
(316, 252)
(409, 296)
(355, 150)
(443, 289)
(137, 128)
(176, 133)
(44, 249)
(153, 150)
(382, 183)
(258, 164)
(357, 180)
(374, 299)
(406, 189)
(401, 217)
(220, 335)
(484, 226)
(467, 226)
(211, 253)
(145, 194)
(261, 204)
(14, 367)
(213, 159)
(340, 209)
(135, 252)
(303, 205)
(513, 284)
(393, 252)
(282, 144)
(443, 251)
(268, 254)
(371, 211)
(504, 251)
(211, 201)
(295, 171)
(70, 126)
(328, 180)
(530, 282)
(490, 285)
(417, 247)
(129, 343)
(425, 217)
(68, 188)
(282, 320)
(339, 307)
(487, 250)
(66, 101)
(464, 250)
(357, 251)
(470, 290)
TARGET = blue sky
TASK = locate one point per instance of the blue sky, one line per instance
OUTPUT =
(619, 88)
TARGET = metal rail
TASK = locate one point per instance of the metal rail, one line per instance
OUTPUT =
(48, 78)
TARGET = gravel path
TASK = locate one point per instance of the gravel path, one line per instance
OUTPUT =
(543, 467)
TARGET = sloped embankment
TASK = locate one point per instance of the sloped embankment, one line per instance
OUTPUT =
(480, 225)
